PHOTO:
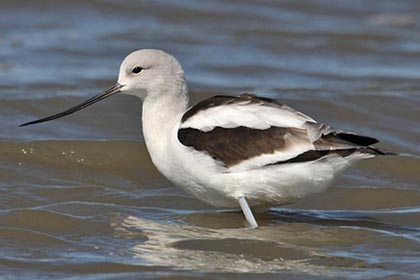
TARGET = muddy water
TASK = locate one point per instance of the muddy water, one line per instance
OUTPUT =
(79, 196)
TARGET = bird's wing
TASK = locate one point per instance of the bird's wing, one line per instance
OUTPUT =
(247, 132)
(246, 110)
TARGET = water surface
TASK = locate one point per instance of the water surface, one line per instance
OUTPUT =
(79, 196)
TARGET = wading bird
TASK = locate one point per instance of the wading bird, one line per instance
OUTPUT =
(231, 151)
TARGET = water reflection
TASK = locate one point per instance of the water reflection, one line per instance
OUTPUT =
(186, 247)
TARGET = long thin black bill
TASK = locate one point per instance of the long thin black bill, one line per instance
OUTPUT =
(112, 90)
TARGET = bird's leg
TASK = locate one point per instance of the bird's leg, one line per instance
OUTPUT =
(247, 212)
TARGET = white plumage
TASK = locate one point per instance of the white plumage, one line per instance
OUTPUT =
(246, 114)
(231, 151)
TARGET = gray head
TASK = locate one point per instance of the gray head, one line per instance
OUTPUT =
(149, 72)
(143, 73)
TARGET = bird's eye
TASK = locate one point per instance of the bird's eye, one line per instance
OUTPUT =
(136, 70)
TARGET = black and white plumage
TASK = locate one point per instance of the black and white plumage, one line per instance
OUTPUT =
(231, 151)
(242, 130)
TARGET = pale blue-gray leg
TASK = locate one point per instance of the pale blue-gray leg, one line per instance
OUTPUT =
(247, 212)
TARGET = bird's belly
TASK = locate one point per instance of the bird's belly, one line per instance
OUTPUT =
(270, 185)
(262, 187)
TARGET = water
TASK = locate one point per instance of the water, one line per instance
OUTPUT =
(79, 196)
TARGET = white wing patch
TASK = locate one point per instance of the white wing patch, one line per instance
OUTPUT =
(257, 116)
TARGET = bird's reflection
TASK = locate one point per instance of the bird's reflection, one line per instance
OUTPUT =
(186, 247)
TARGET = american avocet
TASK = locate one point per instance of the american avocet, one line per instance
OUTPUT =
(231, 151)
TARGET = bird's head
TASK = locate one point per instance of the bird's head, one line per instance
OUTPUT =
(144, 73)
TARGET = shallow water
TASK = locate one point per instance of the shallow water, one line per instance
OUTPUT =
(80, 197)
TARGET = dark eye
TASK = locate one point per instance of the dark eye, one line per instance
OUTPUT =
(136, 70)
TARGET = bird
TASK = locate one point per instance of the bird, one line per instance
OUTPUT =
(240, 152)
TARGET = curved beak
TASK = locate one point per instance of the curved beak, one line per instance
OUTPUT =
(111, 91)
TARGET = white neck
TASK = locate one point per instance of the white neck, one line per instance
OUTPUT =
(161, 115)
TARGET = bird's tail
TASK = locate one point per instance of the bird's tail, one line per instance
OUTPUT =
(378, 151)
